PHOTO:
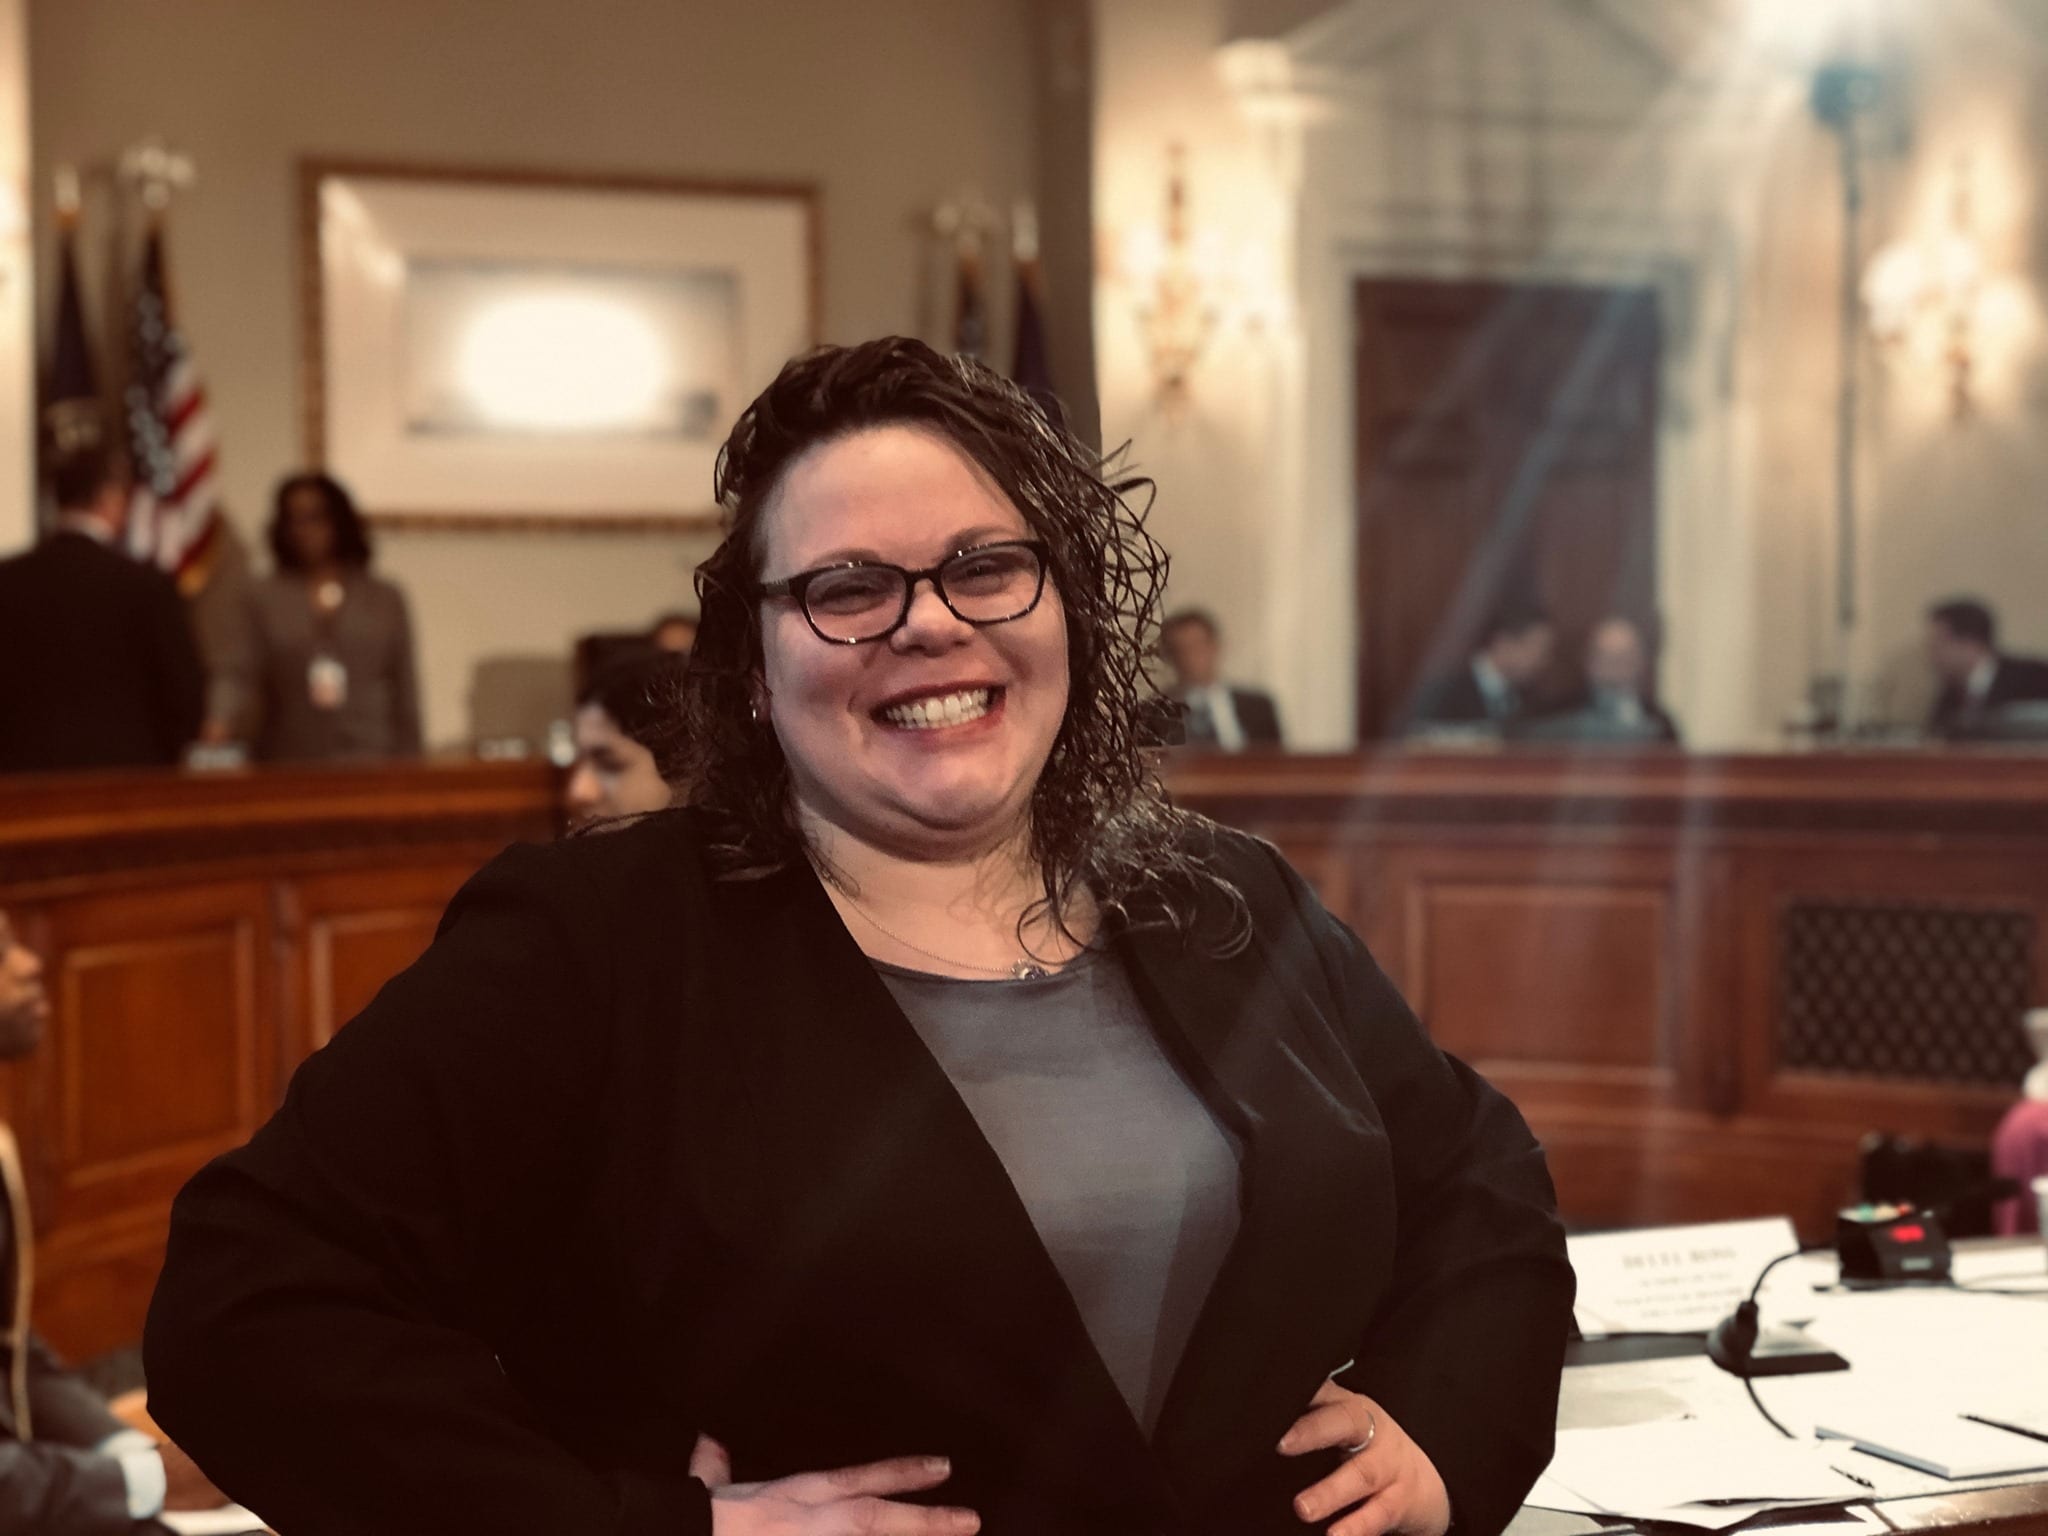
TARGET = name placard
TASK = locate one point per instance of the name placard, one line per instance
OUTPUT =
(1672, 1279)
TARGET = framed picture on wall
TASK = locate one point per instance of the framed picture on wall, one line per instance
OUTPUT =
(492, 348)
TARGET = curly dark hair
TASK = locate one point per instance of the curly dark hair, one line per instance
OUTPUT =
(1099, 817)
(351, 533)
(640, 692)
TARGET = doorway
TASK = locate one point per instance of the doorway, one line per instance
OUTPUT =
(1506, 452)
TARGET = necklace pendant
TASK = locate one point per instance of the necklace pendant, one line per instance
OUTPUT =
(1024, 970)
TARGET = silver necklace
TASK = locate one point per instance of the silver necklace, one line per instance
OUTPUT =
(1022, 969)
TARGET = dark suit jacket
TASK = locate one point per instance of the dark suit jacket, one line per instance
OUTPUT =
(1257, 716)
(632, 1154)
(55, 1484)
(1584, 719)
(98, 668)
(1454, 699)
(2017, 680)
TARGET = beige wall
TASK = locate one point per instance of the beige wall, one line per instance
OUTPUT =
(1158, 85)
(1676, 152)
(1961, 504)
(888, 105)
(17, 331)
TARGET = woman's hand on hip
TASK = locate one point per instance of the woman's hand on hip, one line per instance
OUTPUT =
(1387, 1482)
(853, 1501)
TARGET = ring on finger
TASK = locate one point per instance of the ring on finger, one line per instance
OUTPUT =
(1372, 1433)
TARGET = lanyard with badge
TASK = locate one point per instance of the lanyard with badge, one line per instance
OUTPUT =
(326, 677)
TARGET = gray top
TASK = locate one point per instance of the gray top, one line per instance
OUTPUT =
(377, 711)
(1130, 1179)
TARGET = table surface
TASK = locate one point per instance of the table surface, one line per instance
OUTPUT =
(1928, 1346)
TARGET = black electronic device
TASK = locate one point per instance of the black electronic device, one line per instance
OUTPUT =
(1891, 1245)
(1741, 1348)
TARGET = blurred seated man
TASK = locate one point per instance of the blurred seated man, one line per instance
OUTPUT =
(1977, 680)
(625, 731)
(1615, 705)
(1490, 692)
(101, 669)
(676, 632)
(68, 1467)
(1217, 716)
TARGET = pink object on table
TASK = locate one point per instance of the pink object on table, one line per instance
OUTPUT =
(2020, 1151)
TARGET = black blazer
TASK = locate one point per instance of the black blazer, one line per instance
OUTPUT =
(98, 668)
(2016, 680)
(633, 1153)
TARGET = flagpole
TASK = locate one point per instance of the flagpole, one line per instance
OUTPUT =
(965, 224)
(175, 509)
(72, 411)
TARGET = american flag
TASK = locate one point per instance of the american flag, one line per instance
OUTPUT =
(174, 516)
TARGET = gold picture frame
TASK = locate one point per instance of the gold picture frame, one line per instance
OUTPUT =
(402, 266)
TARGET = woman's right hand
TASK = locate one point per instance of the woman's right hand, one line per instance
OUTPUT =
(853, 1501)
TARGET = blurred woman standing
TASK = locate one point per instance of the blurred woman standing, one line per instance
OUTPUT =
(325, 671)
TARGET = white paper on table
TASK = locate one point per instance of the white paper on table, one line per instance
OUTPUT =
(228, 1520)
(1825, 1520)
(1942, 1443)
(1892, 1480)
(2024, 1416)
(1640, 1469)
(2002, 1267)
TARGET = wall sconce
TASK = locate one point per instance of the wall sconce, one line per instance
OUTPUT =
(1927, 297)
(1189, 287)
(1177, 282)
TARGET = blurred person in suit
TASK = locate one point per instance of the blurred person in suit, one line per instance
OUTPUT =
(1491, 689)
(68, 1467)
(1978, 681)
(1615, 705)
(102, 669)
(325, 670)
(625, 736)
(1217, 716)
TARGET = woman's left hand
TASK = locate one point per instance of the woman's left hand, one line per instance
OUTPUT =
(1386, 1472)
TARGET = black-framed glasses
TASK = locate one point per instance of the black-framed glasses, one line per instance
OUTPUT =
(864, 600)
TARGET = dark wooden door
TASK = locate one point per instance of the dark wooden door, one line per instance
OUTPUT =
(1506, 450)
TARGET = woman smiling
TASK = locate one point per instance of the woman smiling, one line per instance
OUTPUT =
(927, 1128)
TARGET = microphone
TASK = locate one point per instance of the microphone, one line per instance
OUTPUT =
(1733, 1343)
(1733, 1340)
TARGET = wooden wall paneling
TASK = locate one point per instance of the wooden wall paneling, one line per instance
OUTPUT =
(1451, 851)
(158, 1052)
(1665, 1169)
(1554, 966)
(177, 913)
(1377, 903)
(158, 1059)
(1710, 1018)
(354, 932)
(1960, 878)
